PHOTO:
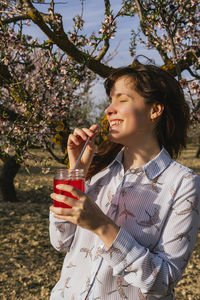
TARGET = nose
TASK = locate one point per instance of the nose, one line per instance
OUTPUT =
(110, 110)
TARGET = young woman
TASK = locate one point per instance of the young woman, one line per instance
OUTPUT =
(131, 234)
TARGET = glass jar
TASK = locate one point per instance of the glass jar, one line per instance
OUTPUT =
(74, 177)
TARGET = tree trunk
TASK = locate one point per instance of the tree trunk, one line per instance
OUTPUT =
(7, 175)
(198, 152)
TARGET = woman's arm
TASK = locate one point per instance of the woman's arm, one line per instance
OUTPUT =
(85, 213)
(156, 272)
(61, 233)
(75, 144)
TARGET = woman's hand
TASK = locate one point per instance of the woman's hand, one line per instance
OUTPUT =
(76, 143)
(84, 212)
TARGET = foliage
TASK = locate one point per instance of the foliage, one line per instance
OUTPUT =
(173, 30)
(170, 28)
(40, 102)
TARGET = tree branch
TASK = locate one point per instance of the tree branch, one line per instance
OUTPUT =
(13, 116)
(174, 55)
(5, 76)
(46, 18)
(141, 14)
(59, 160)
(106, 41)
(193, 74)
(184, 64)
(61, 40)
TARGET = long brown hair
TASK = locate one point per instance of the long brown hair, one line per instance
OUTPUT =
(155, 85)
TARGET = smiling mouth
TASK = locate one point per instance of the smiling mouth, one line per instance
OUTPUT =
(115, 123)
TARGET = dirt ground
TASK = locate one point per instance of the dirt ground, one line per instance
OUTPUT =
(29, 266)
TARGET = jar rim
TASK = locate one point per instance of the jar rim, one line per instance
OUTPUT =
(71, 170)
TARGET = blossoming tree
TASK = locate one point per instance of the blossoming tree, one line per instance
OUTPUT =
(172, 28)
(41, 91)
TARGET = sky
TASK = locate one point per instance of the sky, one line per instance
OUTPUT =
(93, 15)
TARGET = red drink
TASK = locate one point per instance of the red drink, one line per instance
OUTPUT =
(70, 177)
(79, 184)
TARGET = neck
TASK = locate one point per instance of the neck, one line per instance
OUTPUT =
(135, 157)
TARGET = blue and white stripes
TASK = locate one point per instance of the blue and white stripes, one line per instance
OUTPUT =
(157, 207)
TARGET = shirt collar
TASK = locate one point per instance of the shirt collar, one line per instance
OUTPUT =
(117, 159)
(154, 167)
(157, 165)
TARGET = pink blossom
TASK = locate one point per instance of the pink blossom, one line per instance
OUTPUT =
(45, 170)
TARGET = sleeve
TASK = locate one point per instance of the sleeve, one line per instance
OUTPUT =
(156, 272)
(61, 233)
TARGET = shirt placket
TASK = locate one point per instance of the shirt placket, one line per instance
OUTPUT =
(114, 207)
(86, 295)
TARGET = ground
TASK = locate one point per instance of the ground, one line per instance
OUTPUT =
(29, 266)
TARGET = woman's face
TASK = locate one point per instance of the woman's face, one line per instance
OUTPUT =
(128, 114)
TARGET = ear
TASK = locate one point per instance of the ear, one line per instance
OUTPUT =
(156, 110)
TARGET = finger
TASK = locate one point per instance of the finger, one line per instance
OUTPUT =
(88, 132)
(71, 189)
(79, 132)
(92, 131)
(58, 197)
(74, 140)
(64, 199)
(65, 218)
(61, 211)
(94, 127)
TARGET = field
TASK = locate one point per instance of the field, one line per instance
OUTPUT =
(29, 266)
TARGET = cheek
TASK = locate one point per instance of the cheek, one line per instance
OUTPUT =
(136, 117)
(131, 114)
(127, 111)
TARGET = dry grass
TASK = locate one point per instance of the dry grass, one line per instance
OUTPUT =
(29, 266)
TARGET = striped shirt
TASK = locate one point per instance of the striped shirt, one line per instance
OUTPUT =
(157, 208)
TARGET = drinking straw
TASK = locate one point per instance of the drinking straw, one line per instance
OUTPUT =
(82, 151)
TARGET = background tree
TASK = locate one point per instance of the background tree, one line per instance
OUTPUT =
(39, 102)
(170, 28)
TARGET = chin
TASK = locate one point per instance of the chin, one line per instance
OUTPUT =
(115, 139)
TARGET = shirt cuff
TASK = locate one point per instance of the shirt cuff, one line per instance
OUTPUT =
(123, 246)
(52, 219)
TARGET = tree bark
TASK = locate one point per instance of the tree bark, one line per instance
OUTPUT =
(7, 175)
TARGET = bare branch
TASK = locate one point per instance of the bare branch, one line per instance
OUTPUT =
(106, 41)
(141, 13)
(61, 40)
(23, 17)
(59, 160)
(195, 75)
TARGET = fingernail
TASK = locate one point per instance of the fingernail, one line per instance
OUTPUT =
(59, 186)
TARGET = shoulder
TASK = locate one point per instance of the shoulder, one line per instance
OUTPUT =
(100, 179)
(181, 171)
(173, 168)
(184, 179)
